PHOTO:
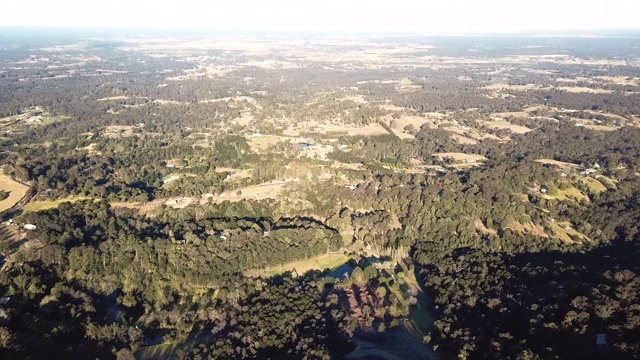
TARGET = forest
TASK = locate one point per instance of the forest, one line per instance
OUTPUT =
(163, 199)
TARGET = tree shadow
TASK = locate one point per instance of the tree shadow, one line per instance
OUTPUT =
(549, 303)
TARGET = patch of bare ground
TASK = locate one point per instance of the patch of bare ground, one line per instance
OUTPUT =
(503, 124)
(348, 166)
(119, 97)
(460, 156)
(235, 173)
(118, 130)
(463, 139)
(620, 80)
(142, 207)
(15, 189)
(580, 89)
(528, 228)
(480, 226)
(511, 113)
(262, 143)
(271, 190)
(600, 127)
(179, 202)
(527, 87)
(398, 125)
(558, 163)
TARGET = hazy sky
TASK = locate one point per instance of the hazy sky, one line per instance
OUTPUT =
(337, 15)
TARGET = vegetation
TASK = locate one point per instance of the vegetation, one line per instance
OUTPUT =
(152, 207)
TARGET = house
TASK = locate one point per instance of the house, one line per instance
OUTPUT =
(29, 227)
(543, 189)
(601, 340)
(4, 301)
(351, 187)
(563, 175)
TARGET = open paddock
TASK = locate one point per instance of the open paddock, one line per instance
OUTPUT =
(511, 113)
(271, 190)
(569, 194)
(460, 156)
(141, 207)
(321, 262)
(235, 173)
(600, 127)
(558, 163)
(503, 124)
(179, 202)
(35, 206)
(461, 139)
(594, 185)
(16, 191)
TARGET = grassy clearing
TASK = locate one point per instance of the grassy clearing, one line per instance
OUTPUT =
(398, 125)
(594, 185)
(120, 97)
(463, 139)
(565, 232)
(460, 156)
(168, 350)
(90, 148)
(35, 206)
(260, 144)
(600, 127)
(16, 192)
(608, 182)
(271, 190)
(528, 228)
(567, 194)
(419, 314)
(558, 163)
(560, 233)
(143, 208)
(503, 124)
(321, 262)
(511, 113)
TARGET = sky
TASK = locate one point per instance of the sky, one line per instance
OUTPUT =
(403, 16)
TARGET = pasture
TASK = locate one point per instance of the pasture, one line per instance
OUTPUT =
(16, 191)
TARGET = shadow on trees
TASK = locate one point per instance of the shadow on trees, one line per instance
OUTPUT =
(541, 305)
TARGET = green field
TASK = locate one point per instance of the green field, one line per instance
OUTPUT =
(567, 194)
(567, 235)
(49, 204)
(419, 315)
(594, 185)
(321, 262)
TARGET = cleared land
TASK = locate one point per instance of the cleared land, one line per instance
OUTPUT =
(565, 232)
(528, 228)
(321, 262)
(606, 181)
(503, 124)
(35, 206)
(256, 192)
(570, 193)
(16, 192)
(527, 87)
(594, 185)
(600, 127)
(142, 207)
(460, 156)
(558, 163)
